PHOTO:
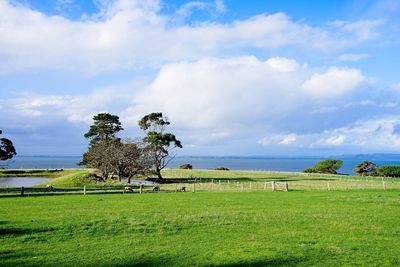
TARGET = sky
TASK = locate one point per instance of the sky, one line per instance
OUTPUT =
(234, 77)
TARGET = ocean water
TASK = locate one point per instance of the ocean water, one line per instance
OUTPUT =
(292, 164)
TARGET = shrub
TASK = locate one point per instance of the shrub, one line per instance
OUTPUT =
(329, 166)
(221, 169)
(186, 166)
(388, 171)
(365, 168)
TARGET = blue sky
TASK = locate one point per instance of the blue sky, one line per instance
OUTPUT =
(235, 77)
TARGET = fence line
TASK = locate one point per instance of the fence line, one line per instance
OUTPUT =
(213, 186)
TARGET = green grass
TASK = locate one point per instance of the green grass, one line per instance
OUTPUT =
(336, 228)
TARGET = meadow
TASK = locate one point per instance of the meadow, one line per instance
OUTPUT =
(336, 228)
(233, 219)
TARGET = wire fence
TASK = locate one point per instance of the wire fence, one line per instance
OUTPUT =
(213, 186)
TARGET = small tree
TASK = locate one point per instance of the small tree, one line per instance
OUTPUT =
(186, 166)
(365, 168)
(7, 149)
(159, 144)
(330, 166)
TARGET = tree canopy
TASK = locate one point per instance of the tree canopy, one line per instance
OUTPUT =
(330, 166)
(365, 168)
(104, 127)
(158, 142)
(7, 149)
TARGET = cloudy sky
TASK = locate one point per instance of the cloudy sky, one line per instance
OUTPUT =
(234, 77)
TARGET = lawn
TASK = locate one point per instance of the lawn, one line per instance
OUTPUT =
(320, 228)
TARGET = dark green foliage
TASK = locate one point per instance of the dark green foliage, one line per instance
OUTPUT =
(330, 166)
(221, 169)
(186, 166)
(365, 168)
(159, 144)
(153, 120)
(388, 171)
(105, 126)
(7, 149)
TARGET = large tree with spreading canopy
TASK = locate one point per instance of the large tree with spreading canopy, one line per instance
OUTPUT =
(159, 143)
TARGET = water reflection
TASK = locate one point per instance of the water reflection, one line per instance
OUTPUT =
(21, 181)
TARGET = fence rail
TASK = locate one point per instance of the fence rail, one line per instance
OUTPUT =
(213, 186)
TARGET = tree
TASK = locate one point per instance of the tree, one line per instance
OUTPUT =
(102, 156)
(132, 159)
(365, 168)
(105, 126)
(330, 166)
(159, 143)
(115, 158)
(7, 149)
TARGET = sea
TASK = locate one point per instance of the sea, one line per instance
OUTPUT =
(267, 163)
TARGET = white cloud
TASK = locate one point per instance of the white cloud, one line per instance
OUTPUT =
(133, 33)
(352, 57)
(222, 92)
(334, 82)
(188, 8)
(367, 135)
(283, 64)
(279, 139)
(363, 29)
(41, 109)
(288, 139)
(330, 141)
(396, 86)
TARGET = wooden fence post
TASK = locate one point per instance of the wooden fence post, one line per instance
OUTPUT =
(286, 187)
(384, 185)
(194, 188)
(273, 185)
(328, 186)
(84, 190)
(22, 191)
(265, 186)
(140, 188)
(250, 186)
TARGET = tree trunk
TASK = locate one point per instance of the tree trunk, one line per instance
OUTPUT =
(160, 179)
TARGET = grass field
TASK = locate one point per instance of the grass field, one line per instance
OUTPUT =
(335, 228)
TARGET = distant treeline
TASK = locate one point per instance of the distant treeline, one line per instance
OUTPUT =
(365, 168)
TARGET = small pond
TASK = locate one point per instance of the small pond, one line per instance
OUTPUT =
(21, 181)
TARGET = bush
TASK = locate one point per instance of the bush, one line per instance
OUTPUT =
(388, 171)
(329, 166)
(186, 166)
(221, 169)
(365, 168)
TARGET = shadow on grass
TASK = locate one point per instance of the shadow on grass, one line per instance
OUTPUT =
(277, 261)
(6, 229)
